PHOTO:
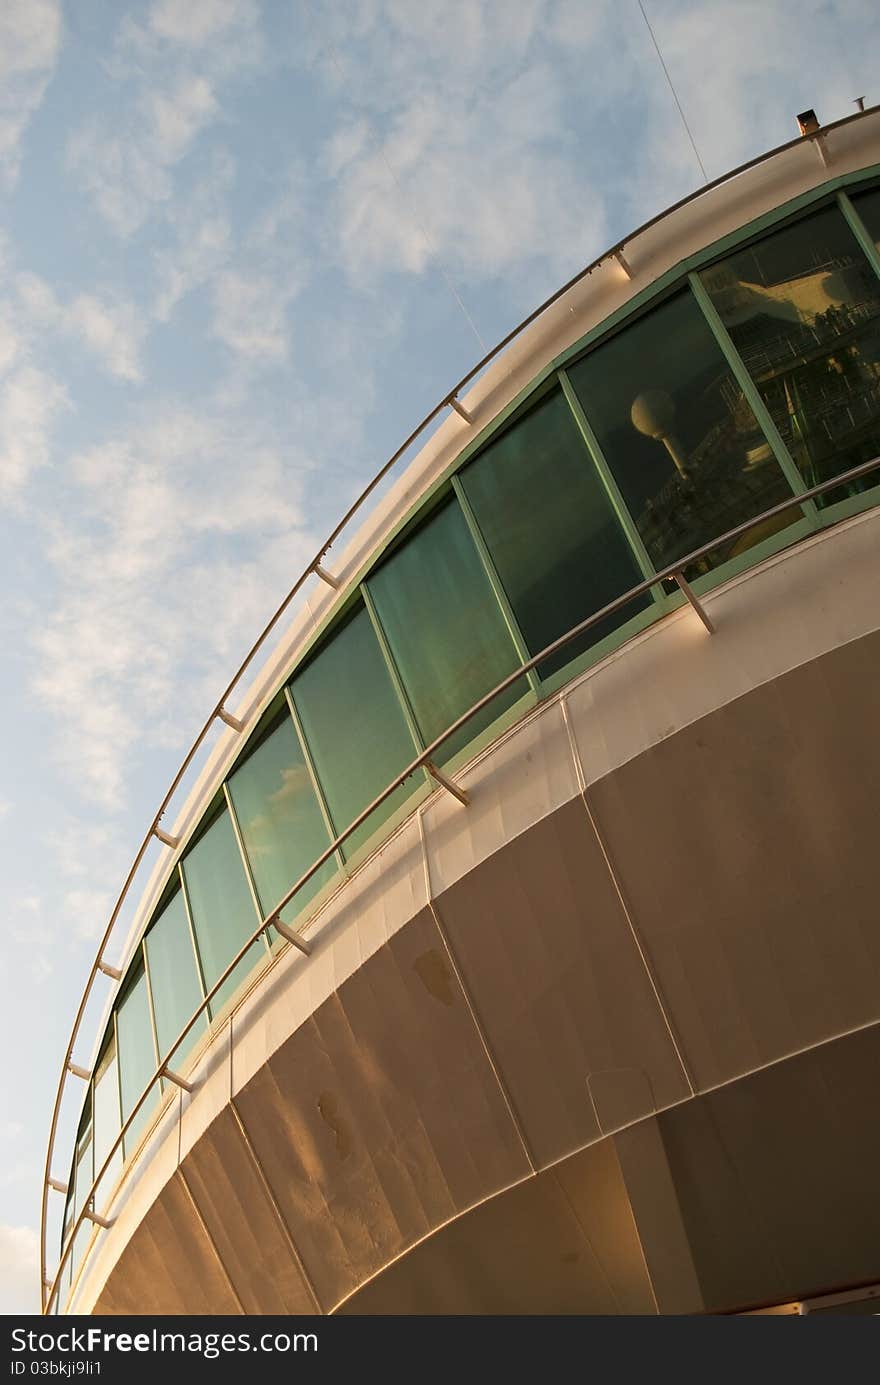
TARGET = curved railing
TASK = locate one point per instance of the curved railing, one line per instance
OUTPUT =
(674, 571)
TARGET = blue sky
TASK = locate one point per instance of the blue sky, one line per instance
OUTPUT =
(245, 246)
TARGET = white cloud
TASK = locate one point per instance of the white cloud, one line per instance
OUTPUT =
(10, 344)
(19, 1269)
(5, 807)
(473, 165)
(185, 529)
(201, 240)
(175, 117)
(128, 174)
(30, 401)
(30, 40)
(111, 329)
(250, 315)
(112, 332)
(124, 180)
(170, 68)
(480, 185)
(504, 138)
(197, 22)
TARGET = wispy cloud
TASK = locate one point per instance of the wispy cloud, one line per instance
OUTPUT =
(169, 68)
(195, 23)
(476, 173)
(30, 402)
(129, 174)
(30, 41)
(111, 330)
(200, 239)
(187, 525)
(250, 316)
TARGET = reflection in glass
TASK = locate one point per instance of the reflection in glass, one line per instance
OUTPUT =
(222, 909)
(679, 436)
(137, 1054)
(280, 820)
(803, 309)
(174, 981)
(354, 727)
(445, 628)
(548, 524)
(107, 1115)
(83, 1175)
(66, 1273)
(867, 204)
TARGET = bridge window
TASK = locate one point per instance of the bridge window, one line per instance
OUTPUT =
(446, 631)
(682, 442)
(802, 307)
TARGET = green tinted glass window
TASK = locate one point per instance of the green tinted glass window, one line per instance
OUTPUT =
(107, 1116)
(867, 204)
(137, 1054)
(802, 306)
(355, 727)
(445, 629)
(222, 909)
(679, 436)
(280, 820)
(551, 530)
(174, 980)
(83, 1175)
(66, 1273)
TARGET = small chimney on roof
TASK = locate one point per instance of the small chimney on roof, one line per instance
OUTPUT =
(860, 102)
(808, 122)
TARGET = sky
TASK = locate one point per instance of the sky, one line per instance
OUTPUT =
(245, 246)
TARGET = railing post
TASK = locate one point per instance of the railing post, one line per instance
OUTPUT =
(694, 601)
(460, 410)
(178, 1081)
(292, 936)
(445, 782)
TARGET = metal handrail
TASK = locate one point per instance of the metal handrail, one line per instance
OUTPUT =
(218, 710)
(674, 570)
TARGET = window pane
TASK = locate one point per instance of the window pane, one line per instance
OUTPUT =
(551, 531)
(222, 910)
(354, 726)
(66, 1273)
(280, 821)
(107, 1117)
(867, 204)
(137, 1056)
(445, 628)
(174, 981)
(803, 309)
(678, 435)
(84, 1173)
